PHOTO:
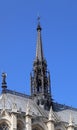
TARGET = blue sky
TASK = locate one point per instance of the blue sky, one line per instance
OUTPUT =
(18, 22)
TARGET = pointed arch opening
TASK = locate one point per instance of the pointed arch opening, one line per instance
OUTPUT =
(4, 126)
(20, 125)
(37, 127)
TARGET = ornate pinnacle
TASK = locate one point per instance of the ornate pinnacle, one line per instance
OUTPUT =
(51, 115)
(71, 121)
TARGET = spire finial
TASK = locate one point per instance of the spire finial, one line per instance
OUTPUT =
(4, 84)
(38, 27)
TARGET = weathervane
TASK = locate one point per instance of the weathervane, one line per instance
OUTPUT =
(38, 19)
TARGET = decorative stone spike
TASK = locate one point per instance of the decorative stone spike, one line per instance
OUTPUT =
(51, 115)
(28, 112)
(51, 120)
(71, 123)
(28, 118)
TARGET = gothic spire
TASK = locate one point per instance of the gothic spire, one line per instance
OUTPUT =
(39, 49)
(40, 76)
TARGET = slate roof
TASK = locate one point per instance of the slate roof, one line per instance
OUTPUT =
(61, 112)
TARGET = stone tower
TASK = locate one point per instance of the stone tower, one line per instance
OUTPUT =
(40, 77)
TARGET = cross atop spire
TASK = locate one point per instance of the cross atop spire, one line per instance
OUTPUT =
(38, 19)
(39, 49)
